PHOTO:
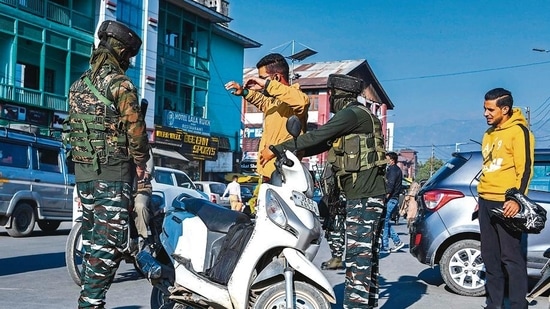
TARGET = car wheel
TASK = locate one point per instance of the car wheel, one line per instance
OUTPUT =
(463, 269)
(49, 226)
(23, 219)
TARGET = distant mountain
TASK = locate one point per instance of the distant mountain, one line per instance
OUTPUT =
(443, 135)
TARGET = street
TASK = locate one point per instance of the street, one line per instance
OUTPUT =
(33, 275)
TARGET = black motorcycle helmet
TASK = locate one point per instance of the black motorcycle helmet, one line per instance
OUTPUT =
(126, 36)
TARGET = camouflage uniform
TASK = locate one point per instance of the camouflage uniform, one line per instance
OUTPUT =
(107, 142)
(364, 223)
(336, 236)
(353, 130)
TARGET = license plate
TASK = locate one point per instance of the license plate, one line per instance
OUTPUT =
(303, 201)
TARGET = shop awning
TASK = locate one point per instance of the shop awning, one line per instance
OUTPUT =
(169, 153)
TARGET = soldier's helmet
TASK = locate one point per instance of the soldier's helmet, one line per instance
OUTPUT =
(345, 83)
(121, 33)
(342, 89)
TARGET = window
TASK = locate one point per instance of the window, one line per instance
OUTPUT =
(48, 160)
(163, 177)
(183, 180)
(541, 177)
(313, 102)
(13, 155)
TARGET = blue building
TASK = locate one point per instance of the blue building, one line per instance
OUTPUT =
(188, 53)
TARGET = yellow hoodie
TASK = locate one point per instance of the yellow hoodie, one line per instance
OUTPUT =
(508, 156)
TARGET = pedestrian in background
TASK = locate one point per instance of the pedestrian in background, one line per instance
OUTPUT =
(109, 146)
(353, 137)
(508, 156)
(394, 178)
(234, 190)
(271, 93)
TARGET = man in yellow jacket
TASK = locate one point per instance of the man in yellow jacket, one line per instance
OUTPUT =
(271, 93)
(508, 156)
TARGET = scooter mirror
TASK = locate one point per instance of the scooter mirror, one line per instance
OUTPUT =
(293, 126)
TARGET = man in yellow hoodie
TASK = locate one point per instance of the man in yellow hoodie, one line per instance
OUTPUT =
(508, 156)
(271, 93)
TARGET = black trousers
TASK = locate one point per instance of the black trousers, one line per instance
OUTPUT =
(504, 256)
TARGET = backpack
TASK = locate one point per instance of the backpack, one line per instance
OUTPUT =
(232, 247)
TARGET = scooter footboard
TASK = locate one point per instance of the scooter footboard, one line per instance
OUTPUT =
(300, 264)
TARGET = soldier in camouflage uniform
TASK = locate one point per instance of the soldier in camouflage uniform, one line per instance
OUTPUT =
(353, 137)
(109, 146)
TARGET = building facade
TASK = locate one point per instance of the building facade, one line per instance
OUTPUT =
(188, 53)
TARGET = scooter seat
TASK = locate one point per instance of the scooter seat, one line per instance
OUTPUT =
(215, 217)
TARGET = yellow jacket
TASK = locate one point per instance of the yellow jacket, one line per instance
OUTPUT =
(283, 102)
(508, 156)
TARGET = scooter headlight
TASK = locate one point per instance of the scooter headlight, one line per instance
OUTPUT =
(274, 209)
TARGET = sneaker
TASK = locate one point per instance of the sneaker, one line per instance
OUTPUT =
(398, 246)
(385, 251)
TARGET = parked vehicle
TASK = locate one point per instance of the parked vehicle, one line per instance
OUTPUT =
(164, 177)
(213, 257)
(36, 182)
(214, 190)
(445, 233)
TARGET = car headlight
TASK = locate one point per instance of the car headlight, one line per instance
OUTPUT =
(274, 209)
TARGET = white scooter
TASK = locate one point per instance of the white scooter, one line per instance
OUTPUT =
(272, 268)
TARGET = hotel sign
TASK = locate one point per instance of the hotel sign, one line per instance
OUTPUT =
(198, 147)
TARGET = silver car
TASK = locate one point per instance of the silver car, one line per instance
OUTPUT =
(445, 233)
(36, 182)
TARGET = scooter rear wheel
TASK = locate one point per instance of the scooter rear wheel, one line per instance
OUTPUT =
(305, 297)
(74, 253)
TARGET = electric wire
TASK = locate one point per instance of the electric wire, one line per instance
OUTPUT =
(465, 72)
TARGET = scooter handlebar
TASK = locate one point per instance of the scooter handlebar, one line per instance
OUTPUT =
(281, 156)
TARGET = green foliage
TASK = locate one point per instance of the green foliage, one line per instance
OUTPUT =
(425, 170)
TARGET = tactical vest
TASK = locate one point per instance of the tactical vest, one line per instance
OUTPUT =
(357, 152)
(95, 132)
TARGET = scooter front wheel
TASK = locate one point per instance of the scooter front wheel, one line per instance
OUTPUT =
(306, 296)
(159, 300)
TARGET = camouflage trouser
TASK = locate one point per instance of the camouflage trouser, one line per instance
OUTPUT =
(336, 237)
(364, 223)
(105, 226)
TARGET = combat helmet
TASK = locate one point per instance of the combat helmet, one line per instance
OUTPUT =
(122, 33)
(346, 83)
(344, 89)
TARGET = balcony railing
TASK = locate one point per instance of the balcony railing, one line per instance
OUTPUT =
(54, 12)
(33, 97)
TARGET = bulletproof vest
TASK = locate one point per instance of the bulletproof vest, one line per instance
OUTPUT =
(96, 135)
(357, 152)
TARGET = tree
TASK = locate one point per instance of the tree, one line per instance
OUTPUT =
(427, 169)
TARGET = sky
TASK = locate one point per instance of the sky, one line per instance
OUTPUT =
(435, 59)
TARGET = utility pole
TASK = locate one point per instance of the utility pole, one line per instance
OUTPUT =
(432, 162)
(528, 111)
